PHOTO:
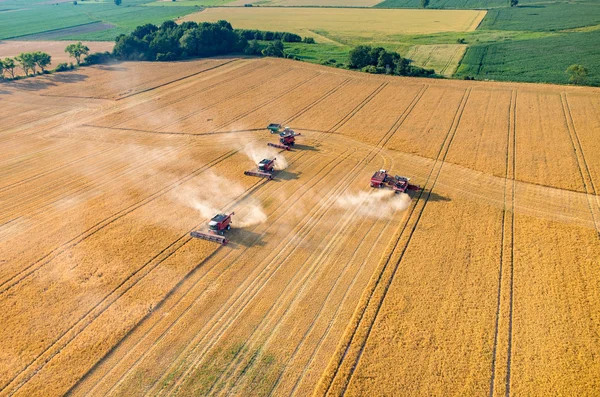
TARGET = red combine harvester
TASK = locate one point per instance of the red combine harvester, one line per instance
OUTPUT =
(217, 227)
(399, 184)
(265, 169)
(287, 139)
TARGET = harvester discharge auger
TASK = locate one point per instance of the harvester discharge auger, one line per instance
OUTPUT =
(287, 139)
(400, 184)
(264, 170)
(217, 227)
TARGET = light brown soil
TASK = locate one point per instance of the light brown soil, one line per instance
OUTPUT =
(489, 274)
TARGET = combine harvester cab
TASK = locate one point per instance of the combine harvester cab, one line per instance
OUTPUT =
(400, 184)
(287, 139)
(217, 227)
(265, 169)
(274, 128)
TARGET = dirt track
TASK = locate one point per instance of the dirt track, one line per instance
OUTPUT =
(487, 281)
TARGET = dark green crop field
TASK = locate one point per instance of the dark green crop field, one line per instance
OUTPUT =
(24, 19)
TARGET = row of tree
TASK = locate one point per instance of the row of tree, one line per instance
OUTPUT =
(171, 41)
(28, 61)
(36, 62)
(379, 60)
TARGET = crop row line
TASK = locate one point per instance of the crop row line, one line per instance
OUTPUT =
(584, 170)
(506, 248)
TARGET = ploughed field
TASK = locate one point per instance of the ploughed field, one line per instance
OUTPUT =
(486, 282)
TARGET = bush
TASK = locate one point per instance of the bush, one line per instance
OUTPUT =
(169, 56)
(61, 67)
(308, 40)
(98, 58)
(370, 69)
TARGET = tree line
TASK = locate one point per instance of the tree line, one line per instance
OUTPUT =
(170, 41)
(379, 60)
(37, 62)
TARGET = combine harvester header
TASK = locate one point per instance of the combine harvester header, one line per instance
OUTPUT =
(264, 170)
(400, 184)
(217, 227)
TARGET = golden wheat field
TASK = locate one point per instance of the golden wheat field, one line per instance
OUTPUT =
(344, 24)
(485, 282)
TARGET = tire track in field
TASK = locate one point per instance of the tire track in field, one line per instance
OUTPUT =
(201, 293)
(176, 80)
(449, 61)
(506, 248)
(400, 120)
(333, 317)
(303, 153)
(512, 250)
(296, 286)
(11, 282)
(315, 103)
(383, 280)
(584, 170)
(126, 285)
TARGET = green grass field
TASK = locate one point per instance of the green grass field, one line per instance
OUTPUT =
(535, 43)
(543, 17)
(542, 60)
(449, 4)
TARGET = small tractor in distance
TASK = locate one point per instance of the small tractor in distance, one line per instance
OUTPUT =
(264, 170)
(274, 128)
(287, 139)
(217, 227)
(400, 184)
